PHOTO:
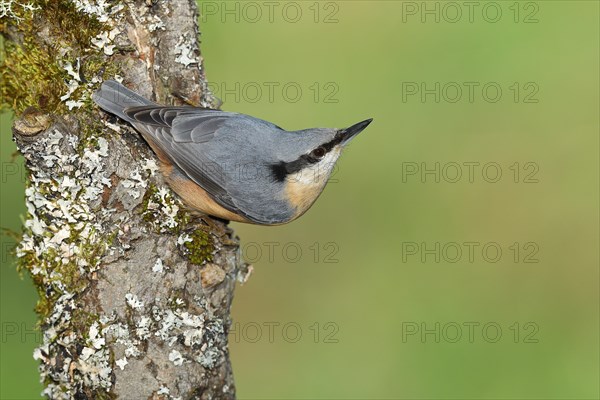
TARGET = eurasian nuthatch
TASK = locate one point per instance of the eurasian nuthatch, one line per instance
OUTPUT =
(206, 154)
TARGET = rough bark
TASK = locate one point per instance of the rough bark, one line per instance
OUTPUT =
(135, 290)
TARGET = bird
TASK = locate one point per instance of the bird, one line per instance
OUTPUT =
(229, 165)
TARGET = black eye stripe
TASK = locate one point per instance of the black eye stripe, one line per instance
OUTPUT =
(282, 169)
(332, 143)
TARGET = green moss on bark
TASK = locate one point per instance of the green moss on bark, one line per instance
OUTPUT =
(31, 70)
(200, 248)
(165, 213)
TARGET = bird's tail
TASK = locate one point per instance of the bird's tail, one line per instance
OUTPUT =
(114, 98)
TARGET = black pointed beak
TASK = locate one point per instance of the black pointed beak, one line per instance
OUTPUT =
(348, 133)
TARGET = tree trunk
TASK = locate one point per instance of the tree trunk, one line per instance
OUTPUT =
(135, 291)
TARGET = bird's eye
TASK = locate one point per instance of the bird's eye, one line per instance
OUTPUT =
(318, 153)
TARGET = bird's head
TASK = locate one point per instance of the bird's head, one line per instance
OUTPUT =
(308, 160)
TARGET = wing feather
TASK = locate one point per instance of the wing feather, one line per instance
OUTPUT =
(181, 132)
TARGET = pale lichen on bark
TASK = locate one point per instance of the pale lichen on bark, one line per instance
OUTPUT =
(135, 291)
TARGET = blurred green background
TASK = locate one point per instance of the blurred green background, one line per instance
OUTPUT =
(350, 302)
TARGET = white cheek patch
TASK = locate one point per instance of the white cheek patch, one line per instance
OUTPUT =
(317, 174)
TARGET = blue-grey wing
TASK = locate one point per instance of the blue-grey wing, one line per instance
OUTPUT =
(212, 148)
